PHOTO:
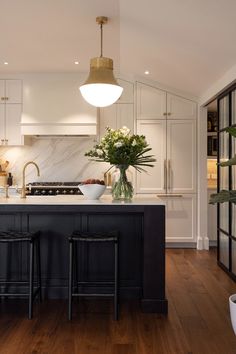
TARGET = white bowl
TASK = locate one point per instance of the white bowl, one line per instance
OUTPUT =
(92, 191)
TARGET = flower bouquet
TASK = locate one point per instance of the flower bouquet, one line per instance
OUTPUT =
(122, 149)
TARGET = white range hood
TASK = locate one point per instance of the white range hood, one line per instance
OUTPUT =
(53, 105)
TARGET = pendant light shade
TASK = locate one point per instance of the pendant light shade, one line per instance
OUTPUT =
(101, 88)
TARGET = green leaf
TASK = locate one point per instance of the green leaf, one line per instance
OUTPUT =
(231, 131)
(230, 162)
(223, 196)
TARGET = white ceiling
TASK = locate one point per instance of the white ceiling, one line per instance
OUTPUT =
(185, 44)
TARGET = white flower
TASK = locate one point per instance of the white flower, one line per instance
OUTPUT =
(118, 144)
(125, 131)
(99, 152)
(134, 142)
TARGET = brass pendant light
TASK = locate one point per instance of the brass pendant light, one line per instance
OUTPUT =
(101, 88)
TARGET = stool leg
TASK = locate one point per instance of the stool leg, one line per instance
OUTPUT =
(31, 279)
(39, 270)
(116, 283)
(70, 280)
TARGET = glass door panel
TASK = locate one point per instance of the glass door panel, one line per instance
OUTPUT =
(233, 108)
(234, 257)
(224, 217)
(224, 112)
(224, 250)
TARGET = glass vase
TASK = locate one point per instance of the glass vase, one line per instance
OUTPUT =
(122, 189)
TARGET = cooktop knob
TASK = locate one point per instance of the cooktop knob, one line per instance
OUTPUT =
(57, 191)
(64, 192)
(71, 191)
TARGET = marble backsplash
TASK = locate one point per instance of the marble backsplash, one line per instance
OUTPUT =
(59, 159)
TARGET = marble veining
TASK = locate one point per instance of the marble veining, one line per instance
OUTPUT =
(59, 159)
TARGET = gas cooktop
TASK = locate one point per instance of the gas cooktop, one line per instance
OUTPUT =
(53, 188)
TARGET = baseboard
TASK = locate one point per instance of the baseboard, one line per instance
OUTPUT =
(181, 245)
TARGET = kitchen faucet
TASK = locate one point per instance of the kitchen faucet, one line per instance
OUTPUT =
(23, 191)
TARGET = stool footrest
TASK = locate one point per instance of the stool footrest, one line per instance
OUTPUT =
(88, 295)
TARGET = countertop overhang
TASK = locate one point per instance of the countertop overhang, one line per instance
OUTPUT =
(78, 200)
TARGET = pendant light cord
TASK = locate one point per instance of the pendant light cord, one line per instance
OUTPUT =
(101, 40)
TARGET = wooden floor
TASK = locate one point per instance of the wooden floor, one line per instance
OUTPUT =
(198, 319)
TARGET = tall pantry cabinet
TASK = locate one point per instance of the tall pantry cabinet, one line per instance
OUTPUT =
(169, 124)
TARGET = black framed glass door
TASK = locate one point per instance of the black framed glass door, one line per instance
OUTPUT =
(226, 212)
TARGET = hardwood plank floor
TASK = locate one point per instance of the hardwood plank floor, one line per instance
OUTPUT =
(198, 319)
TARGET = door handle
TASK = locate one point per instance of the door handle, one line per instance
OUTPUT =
(165, 174)
(169, 175)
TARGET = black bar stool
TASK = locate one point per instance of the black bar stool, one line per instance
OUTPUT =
(32, 238)
(92, 237)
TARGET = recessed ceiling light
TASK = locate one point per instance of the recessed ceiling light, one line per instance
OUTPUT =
(76, 62)
(146, 72)
(5, 63)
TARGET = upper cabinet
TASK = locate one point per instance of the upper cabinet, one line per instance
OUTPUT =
(128, 91)
(10, 112)
(153, 103)
(120, 113)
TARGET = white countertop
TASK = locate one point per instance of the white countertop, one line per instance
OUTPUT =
(78, 199)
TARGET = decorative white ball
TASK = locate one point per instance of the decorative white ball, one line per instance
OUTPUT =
(92, 191)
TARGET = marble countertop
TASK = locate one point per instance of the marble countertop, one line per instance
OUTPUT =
(78, 200)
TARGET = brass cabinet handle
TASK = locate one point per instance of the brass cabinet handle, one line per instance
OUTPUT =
(169, 113)
(6, 141)
(2, 140)
(6, 98)
(2, 98)
(169, 175)
(165, 174)
(164, 114)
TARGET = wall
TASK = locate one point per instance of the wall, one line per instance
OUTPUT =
(59, 159)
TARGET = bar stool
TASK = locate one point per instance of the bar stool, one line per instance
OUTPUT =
(88, 237)
(32, 239)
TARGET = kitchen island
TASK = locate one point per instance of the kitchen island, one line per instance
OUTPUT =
(141, 224)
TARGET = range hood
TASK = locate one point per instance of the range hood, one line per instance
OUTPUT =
(58, 129)
(53, 105)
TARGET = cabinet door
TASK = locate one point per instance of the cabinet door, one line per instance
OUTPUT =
(154, 180)
(2, 124)
(151, 102)
(128, 91)
(13, 127)
(2, 91)
(125, 116)
(116, 116)
(107, 118)
(181, 218)
(14, 91)
(180, 108)
(181, 156)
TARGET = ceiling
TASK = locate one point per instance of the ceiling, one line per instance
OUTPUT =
(186, 44)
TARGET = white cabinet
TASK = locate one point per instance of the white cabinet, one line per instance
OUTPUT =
(180, 218)
(153, 103)
(181, 156)
(173, 143)
(180, 108)
(10, 112)
(169, 124)
(121, 113)
(116, 116)
(154, 180)
(128, 91)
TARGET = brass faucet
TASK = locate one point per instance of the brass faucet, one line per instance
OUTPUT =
(23, 191)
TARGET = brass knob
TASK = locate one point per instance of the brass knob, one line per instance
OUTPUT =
(164, 114)
(2, 98)
(6, 98)
(169, 114)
